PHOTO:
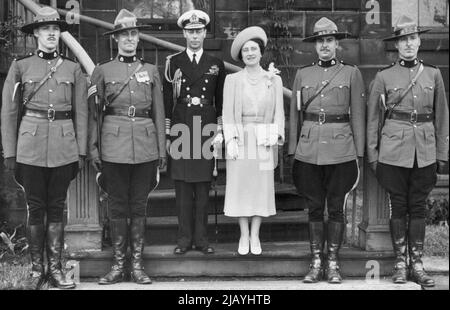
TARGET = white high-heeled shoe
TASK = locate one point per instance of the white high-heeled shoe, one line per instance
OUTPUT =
(244, 246)
(255, 246)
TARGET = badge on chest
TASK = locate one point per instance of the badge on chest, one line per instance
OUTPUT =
(142, 77)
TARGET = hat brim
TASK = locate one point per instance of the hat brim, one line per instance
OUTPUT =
(392, 38)
(29, 28)
(127, 28)
(337, 35)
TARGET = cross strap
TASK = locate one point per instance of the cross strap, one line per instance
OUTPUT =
(42, 82)
(113, 96)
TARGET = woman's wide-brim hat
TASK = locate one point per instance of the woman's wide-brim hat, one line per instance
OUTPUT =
(45, 16)
(253, 32)
(325, 27)
(125, 20)
(404, 27)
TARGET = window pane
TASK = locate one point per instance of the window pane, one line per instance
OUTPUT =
(164, 9)
(427, 13)
(433, 13)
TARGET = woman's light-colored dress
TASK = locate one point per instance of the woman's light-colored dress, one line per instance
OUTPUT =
(252, 110)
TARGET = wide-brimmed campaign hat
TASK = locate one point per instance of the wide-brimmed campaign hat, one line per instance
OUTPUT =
(193, 19)
(253, 32)
(45, 15)
(125, 20)
(325, 27)
(403, 27)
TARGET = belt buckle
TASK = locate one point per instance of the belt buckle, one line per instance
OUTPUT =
(131, 111)
(322, 118)
(413, 117)
(51, 114)
(195, 100)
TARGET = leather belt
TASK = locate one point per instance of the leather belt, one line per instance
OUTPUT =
(323, 117)
(131, 112)
(49, 114)
(196, 101)
(412, 117)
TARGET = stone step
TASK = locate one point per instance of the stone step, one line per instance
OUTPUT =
(250, 284)
(284, 226)
(279, 259)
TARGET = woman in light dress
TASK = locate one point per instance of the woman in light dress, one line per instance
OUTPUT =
(253, 118)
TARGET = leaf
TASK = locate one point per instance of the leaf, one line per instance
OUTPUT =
(8, 242)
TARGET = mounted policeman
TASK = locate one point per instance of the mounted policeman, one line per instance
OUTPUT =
(127, 142)
(44, 136)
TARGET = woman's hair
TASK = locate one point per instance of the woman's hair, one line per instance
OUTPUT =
(257, 41)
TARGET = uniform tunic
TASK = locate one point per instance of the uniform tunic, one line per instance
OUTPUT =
(250, 189)
(205, 81)
(41, 142)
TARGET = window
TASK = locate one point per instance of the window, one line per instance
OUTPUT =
(162, 15)
(427, 13)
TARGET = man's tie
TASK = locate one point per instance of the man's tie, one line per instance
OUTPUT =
(194, 60)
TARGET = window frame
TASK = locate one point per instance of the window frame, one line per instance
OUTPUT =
(171, 33)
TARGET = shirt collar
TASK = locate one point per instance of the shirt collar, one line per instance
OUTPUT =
(408, 63)
(327, 63)
(198, 54)
(126, 59)
(47, 56)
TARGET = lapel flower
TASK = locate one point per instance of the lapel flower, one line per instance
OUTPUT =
(271, 72)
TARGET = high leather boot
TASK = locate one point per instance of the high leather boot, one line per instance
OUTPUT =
(316, 241)
(137, 239)
(416, 237)
(36, 234)
(398, 235)
(55, 242)
(334, 241)
(119, 232)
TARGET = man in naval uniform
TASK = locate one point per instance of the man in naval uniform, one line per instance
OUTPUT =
(48, 140)
(193, 89)
(412, 145)
(329, 96)
(131, 144)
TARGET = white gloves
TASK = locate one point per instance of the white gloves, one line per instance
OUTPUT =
(232, 149)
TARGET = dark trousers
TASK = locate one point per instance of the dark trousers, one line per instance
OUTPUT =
(128, 186)
(192, 200)
(46, 191)
(408, 188)
(318, 184)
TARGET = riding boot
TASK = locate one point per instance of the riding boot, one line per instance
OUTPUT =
(36, 235)
(137, 232)
(334, 241)
(119, 232)
(55, 242)
(416, 238)
(398, 235)
(316, 241)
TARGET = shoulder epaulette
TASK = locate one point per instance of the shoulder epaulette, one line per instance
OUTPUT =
(23, 57)
(306, 66)
(104, 62)
(427, 64)
(67, 58)
(347, 64)
(387, 67)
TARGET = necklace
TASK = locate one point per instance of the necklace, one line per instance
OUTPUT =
(253, 80)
